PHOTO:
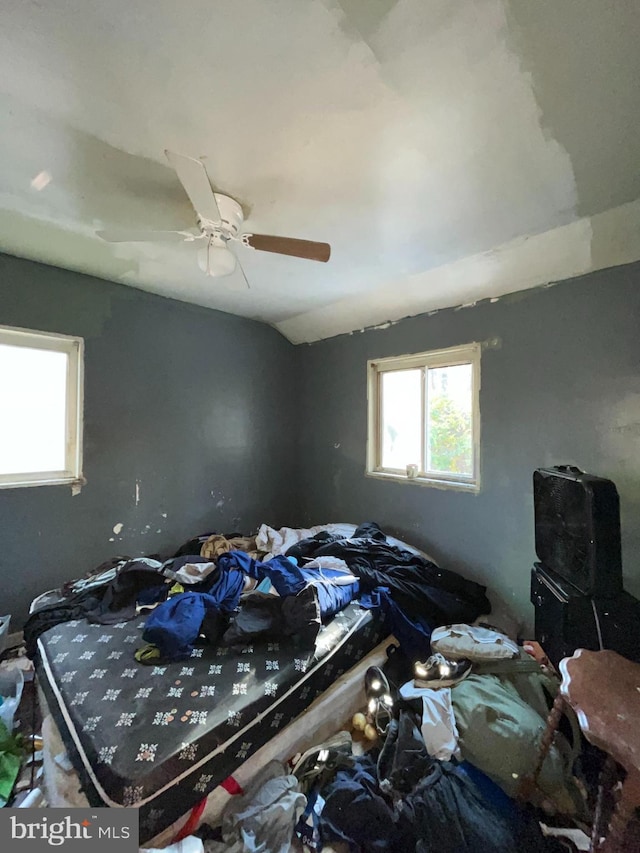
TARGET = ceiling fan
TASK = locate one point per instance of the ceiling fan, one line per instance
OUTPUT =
(219, 219)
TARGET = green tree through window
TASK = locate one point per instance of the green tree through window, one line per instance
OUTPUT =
(450, 445)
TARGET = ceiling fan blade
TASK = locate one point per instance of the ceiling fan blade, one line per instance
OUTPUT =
(123, 236)
(307, 249)
(193, 177)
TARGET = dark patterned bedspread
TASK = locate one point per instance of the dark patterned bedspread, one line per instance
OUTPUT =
(161, 737)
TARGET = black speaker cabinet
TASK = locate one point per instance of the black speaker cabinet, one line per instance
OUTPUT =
(567, 619)
(577, 528)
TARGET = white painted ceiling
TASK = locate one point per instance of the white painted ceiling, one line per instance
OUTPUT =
(448, 150)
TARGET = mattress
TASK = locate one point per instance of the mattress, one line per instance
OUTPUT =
(160, 738)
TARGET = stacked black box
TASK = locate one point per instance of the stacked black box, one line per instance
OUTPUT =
(576, 588)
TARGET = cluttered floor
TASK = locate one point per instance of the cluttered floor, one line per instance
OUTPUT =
(321, 689)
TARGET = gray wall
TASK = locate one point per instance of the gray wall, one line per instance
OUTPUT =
(192, 403)
(198, 407)
(560, 384)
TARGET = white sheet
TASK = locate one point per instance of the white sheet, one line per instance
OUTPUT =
(276, 542)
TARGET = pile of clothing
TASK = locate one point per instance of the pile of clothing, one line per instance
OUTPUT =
(258, 820)
(220, 588)
(397, 797)
(415, 594)
(462, 730)
(482, 698)
(304, 597)
(401, 798)
(107, 595)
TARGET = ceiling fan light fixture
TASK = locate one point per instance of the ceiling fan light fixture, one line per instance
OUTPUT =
(219, 219)
(216, 260)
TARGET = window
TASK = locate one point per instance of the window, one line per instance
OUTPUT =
(424, 417)
(40, 408)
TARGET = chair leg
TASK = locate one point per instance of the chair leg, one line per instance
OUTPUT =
(528, 784)
(604, 784)
(627, 804)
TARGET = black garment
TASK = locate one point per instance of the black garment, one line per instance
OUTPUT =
(398, 667)
(213, 626)
(356, 812)
(410, 802)
(417, 585)
(445, 812)
(426, 592)
(403, 759)
(112, 563)
(262, 616)
(192, 546)
(118, 602)
(75, 607)
(176, 563)
(306, 549)
(369, 530)
(113, 602)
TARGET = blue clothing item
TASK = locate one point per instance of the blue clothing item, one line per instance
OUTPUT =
(492, 793)
(241, 560)
(356, 812)
(335, 588)
(308, 827)
(226, 590)
(520, 818)
(153, 594)
(414, 635)
(174, 625)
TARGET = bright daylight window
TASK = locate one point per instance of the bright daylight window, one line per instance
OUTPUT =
(424, 417)
(40, 408)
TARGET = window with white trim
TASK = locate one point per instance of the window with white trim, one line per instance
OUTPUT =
(424, 417)
(41, 379)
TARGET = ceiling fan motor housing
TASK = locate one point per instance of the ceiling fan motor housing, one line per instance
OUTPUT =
(230, 214)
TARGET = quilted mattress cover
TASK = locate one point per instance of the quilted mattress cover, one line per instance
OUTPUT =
(160, 738)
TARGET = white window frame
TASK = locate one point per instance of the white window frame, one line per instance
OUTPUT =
(74, 348)
(467, 354)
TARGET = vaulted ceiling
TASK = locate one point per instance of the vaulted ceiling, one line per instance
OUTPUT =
(449, 150)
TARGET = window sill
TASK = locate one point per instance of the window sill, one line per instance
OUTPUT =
(433, 482)
(74, 482)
